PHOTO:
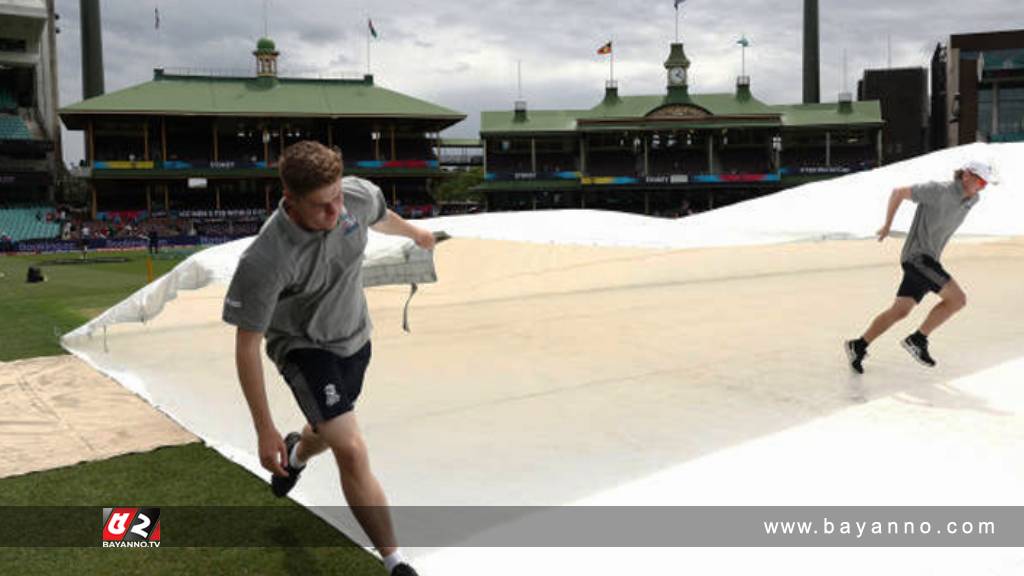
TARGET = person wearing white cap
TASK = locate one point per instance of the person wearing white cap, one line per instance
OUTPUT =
(941, 209)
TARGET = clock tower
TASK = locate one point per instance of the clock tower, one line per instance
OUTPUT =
(678, 69)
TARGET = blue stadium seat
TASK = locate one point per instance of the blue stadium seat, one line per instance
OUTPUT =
(7, 101)
(13, 128)
(21, 223)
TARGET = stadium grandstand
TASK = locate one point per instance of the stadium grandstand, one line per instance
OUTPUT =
(460, 154)
(29, 130)
(671, 154)
(198, 152)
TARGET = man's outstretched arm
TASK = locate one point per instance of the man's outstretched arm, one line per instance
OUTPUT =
(895, 199)
(395, 225)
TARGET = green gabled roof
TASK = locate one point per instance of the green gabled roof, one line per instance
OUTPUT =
(622, 108)
(536, 121)
(828, 114)
(640, 106)
(282, 97)
(629, 112)
(730, 105)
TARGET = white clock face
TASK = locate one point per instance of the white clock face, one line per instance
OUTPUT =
(677, 75)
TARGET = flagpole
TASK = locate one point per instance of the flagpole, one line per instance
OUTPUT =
(159, 36)
(368, 70)
(612, 61)
(677, 22)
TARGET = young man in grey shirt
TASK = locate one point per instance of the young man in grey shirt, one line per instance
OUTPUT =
(941, 209)
(299, 284)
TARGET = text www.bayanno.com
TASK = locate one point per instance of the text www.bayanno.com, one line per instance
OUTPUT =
(862, 528)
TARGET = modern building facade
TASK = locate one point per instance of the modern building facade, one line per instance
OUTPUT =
(903, 95)
(984, 90)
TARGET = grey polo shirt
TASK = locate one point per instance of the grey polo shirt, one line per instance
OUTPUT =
(305, 289)
(941, 209)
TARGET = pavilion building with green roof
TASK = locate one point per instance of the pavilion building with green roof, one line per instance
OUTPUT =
(671, 153)
(207, 143)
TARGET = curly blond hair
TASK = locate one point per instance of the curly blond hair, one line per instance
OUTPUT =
(309, 165)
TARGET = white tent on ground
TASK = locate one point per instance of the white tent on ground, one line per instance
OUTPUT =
(604, 359)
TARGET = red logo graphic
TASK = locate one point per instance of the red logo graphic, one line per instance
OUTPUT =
(131, 527)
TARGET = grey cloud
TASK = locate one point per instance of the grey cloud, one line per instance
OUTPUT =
(547, 35)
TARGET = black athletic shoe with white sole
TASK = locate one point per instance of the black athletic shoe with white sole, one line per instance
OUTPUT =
(403, 569)
(917, 345)
(856, 351)
(281, 485)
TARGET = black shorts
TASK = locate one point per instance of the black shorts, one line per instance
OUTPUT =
(324, 384)
(921, 275)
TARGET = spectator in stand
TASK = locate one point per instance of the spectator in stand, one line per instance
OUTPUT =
(685, 209)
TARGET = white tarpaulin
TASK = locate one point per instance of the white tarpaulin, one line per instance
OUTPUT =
(389, 260)
(601, 364)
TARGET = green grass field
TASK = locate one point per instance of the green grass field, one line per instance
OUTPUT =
(31, 317)
(33, 314)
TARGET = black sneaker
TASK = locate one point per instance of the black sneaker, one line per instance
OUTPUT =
(856, 352)
(917, 345)
(281, 485)
(403, 569)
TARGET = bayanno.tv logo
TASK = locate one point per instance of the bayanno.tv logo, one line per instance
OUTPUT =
(131, 527)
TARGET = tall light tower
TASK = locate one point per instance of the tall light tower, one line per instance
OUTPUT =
(812, 93)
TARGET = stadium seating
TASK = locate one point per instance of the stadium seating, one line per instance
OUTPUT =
(13, 128)
(7, 101)
(21, 223)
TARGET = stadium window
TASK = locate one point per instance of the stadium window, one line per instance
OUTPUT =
(12, 45)
(1011, 110)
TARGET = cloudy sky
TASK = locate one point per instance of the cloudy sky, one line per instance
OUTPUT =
(464, 54)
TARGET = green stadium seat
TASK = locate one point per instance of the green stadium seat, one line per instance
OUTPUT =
(13, 128)
(21, 223)
(7, 101)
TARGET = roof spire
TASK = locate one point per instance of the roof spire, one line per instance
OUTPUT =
(266, 58)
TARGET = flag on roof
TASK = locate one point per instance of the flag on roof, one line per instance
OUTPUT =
(373, 31)
(606, 49)
(743, 42)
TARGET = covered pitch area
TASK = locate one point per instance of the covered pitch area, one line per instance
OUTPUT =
(568, 358)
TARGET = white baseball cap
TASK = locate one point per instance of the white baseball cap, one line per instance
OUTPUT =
(982, 170)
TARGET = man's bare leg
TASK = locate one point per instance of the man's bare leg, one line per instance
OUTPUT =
(362, 491)
(898, 311)
(310, 445)
(953, 300)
